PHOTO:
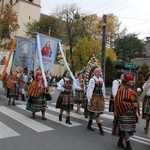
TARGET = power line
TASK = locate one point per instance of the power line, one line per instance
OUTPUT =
(106, 4)
(111, 5)
(99, 7)
(120, 4)
(134, 18)
(129, 6)
(137, 24)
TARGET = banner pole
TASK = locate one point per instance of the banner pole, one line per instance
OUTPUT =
(9, 56)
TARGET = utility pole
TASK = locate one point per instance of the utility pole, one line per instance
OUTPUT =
(49, 31)
(103, 57)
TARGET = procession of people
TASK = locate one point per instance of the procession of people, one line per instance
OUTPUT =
(123, 101)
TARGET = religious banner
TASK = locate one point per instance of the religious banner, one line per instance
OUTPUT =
(46, 52)
(23, 52)
(6, 64)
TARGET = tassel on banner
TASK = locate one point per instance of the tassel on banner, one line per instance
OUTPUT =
(9, 56)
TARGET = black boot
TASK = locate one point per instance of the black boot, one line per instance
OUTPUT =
(68, 120)
(128, 145)
(60, 117)
(22, 97)
(89, 126)
(120, 143)
(100, 129)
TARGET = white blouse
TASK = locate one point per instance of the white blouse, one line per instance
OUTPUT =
(148, 92)
(77, 88)
(91, 86)
(115, 86)
(60, 85)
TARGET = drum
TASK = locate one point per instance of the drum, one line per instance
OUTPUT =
(97, 103)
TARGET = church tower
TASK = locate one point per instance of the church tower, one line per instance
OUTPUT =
(27, 11)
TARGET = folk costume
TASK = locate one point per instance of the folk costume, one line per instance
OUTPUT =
(124, 124)
(21, 82)
(4, 80)
(95, 96)
(36, 101)
(115, 86)
(65, 86)
(12, 88)
(79, 93)
(146, 108)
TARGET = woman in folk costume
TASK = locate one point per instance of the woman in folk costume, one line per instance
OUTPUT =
(79, 93)
(125, 105)
(4, 80)
(65, 85)
(21, 82)
(95, 96)
(115, 86)
(36, 102)
(12, 85)
(146, 105)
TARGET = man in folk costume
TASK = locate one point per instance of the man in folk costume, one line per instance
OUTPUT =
(65, 86)
(95, 96)
(115, 86)
(125, 105)
(21, 82)
(79, 96)
(146, 105)
(12, 87)
(36, 102)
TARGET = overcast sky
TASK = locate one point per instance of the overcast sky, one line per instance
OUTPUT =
(134, 14)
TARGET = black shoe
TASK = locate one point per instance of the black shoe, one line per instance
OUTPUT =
(68, 121)
(9, 102)
(121, 145)
(90, 128)
(128, 145)
(13, 103)
(145, 129)
(44, 118)
(33, 115)
(60, 117)
(100, 129)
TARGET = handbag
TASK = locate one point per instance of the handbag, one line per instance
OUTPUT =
(48, 97)
(59, 102)
(111, 104)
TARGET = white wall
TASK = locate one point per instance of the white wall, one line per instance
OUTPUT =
(27, 12)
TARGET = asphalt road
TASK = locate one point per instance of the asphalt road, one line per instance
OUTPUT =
(18, 131)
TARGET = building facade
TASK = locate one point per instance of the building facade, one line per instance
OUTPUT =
(146, 57)
(27, 11)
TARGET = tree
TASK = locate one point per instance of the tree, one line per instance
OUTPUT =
(111, 54)
(85, 48)
(46, 25)
(141, 74)
(112, 28)
(8, 22)
(110, 72)
(83, 51)
(128, 46)
(73, 27)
